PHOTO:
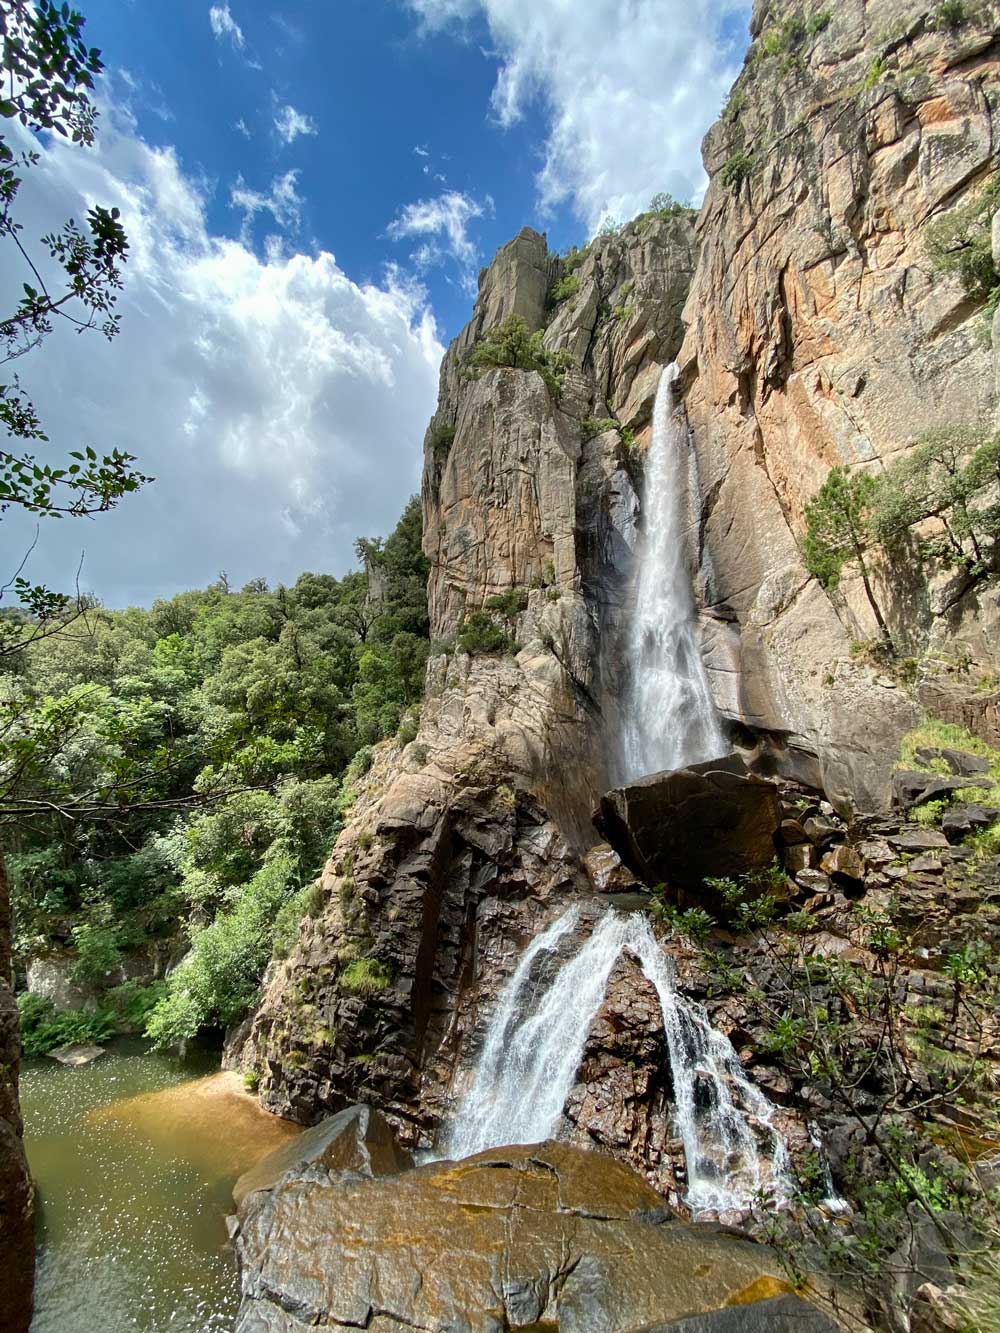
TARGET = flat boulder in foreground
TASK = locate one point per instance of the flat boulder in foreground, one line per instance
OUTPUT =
(677, 828)
(545, 1234)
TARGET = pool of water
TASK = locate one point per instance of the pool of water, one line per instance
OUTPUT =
(134, 1157)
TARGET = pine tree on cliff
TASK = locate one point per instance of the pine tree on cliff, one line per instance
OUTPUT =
(839, 532)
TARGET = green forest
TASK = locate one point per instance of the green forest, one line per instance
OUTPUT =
(174, 778)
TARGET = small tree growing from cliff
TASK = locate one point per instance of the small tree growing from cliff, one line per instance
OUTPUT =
(960, 243)
(839, 531)
(512, 344)
(951, 475)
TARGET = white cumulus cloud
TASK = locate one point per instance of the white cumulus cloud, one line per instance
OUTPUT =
(282, 201)
(445, 219)
(291, 123)
(224, 25)
(627, 90)
(279, 404)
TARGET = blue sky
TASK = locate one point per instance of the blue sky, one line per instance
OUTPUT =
(379, 92)
(310, 190)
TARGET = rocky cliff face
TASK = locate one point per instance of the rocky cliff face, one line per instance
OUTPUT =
(818, 334)
(17, 1238)
(810, 330)
(465, 841)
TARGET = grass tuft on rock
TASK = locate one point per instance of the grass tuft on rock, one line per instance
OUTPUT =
(365, 976)
(933, 734)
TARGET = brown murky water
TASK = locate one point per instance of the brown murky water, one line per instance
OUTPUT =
(134, 1157)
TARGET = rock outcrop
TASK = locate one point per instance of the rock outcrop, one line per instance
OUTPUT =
(537, 1236)
(465, 841)
(357, 1139)
(810, 330)
(819, 334)
(712, 819)
(17, 1229)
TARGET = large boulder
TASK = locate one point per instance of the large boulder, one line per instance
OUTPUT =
(711, 819)
(541, 1236)
(357, 1139)
(911, 787)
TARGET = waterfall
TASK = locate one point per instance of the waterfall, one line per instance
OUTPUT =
(717, 1108)
(670, 717)
(530, 1057)
(831, 1200)
(533, 1050)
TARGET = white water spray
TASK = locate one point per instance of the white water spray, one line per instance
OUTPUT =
(670, 717)
(831, 1200)
(530, 1058)
(532, 1053)
(720, 1115)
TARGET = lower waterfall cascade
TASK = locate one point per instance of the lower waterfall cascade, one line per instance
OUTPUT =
(670, 716)
(535, 1043)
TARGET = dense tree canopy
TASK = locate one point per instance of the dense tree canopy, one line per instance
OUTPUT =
(169, 770)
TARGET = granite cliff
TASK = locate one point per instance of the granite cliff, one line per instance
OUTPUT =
(461, 839)
(811, 329)
(819, 333)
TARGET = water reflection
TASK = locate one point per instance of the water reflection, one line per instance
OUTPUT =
(134, 1159)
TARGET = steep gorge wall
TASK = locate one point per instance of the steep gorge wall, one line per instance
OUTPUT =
(819, 334)
(464, 840)
(811, 330)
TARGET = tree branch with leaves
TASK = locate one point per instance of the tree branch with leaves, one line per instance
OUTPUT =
(72, 274)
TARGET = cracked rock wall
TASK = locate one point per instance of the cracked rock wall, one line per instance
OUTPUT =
(463, 842)
(818, 334)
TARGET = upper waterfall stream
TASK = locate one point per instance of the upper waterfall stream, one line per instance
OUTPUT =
(535, 1043)
(670, 717)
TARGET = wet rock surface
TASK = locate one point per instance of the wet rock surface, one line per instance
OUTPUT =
(545, 1234)
(357, 1139)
